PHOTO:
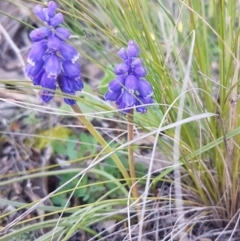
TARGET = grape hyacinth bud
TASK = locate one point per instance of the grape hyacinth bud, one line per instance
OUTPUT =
(130, 89)
(51, 61)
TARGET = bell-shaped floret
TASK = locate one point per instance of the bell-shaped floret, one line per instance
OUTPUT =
(53, 66)
(52, 7)
(140, 71)
(112, 95)
(145, 88)
(38, 77)
(123, 108)
(131, 83)
(46, 95)
(141, 109)
(37, 51)
(54, 43)
(38, 11)
(68, 52)
(117, 84)
(38, 34)
(69, 101)
(123, 54)
(133, 49)
(69, 85)
(136, 62)
(48, 82)
(56, 20)
(62, 33)
(78, 84)
(141, 105)
(128, 99)
(32, 70)
(72, 70)
(121, 69)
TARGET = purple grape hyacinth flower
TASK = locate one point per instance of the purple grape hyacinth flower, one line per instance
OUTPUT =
(130, 89)
(51, 61)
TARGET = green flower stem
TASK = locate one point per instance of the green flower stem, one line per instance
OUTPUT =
(102, 142)
(131, 160)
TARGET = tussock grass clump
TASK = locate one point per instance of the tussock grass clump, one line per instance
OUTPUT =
(191, 50)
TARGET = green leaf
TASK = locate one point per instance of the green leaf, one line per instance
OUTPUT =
(80, 192)
(59, 148)
(86, 198)
(88, 144)
(59, 200)
(71, 151)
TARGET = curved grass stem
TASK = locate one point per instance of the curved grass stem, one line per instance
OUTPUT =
(102, 142)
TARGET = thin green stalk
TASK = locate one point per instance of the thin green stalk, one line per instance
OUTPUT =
(103, 143)
(131, 156)
(233, 123)
(222, 52)
(135, 194)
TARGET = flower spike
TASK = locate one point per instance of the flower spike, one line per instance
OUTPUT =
(51, 61)
(130, 89)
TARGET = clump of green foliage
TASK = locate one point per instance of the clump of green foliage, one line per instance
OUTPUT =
(191, 49)
(91, 188)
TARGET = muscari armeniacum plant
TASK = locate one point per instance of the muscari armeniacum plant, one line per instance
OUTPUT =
(51, 61)
(130, 90)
